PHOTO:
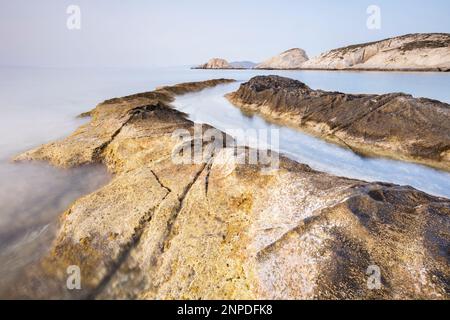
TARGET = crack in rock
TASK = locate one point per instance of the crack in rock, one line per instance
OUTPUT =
(125, 253)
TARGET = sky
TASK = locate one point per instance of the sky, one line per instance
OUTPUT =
(139, 33)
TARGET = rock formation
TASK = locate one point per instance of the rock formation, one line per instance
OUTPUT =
(395, 125)
(219, 229)
(290, 59)
(412, 52)
(216, 63)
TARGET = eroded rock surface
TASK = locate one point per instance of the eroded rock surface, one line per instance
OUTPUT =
(395, 125)
(219, 229)
(412, 52)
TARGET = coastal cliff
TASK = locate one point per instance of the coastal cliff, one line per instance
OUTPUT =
(412, 52)
(221, 229)
(395, 125)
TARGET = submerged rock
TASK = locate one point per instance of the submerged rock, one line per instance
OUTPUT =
(395, 125)
(290, 59)
(219, 229)
(412, 52)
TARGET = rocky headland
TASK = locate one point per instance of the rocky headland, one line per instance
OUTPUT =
(412, 52)
(220, 229)
(394, 125)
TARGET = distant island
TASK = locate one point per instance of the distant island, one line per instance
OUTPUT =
(411, 52)
(290, 59)
(217, 63)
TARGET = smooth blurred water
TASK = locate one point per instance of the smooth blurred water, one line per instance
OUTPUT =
(41, 104)
(38, 105)
(210, 107)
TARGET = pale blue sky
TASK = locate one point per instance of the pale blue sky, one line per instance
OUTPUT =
(162, 33)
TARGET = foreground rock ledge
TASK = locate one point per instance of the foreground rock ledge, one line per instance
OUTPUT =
(222, 230)
(393, 125)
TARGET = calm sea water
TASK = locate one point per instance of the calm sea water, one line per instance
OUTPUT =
(38, 105)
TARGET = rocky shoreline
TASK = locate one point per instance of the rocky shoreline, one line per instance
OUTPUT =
(420, 52)
(357, 69)
(392, 125)
(218, 229)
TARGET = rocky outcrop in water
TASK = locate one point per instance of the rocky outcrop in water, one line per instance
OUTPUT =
(290, 59)
(221, 229)
(216, 63)
(395, 125)
(412, 52)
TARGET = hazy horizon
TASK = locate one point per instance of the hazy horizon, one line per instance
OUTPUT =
(149, 34)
